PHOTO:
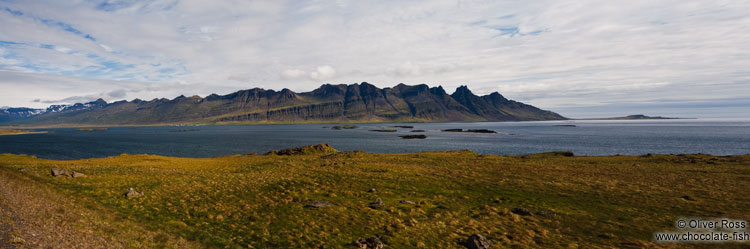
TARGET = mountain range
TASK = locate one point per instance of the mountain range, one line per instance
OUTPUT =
(361, 102)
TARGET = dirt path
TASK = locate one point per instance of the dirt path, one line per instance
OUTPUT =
(6, 230)
(33, 215)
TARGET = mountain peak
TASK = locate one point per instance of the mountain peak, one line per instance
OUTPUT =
(463, 89)
(98, 102)
(361, 102)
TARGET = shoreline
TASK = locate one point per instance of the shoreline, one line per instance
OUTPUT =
(54, 126)
(331, 122)
(541, 154)
(24, 133)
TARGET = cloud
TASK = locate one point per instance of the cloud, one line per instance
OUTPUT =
(323, 73)
(319, 74)
(570, 54)
(291, 74)
(119, 93)
(69, 100)
(406, 69)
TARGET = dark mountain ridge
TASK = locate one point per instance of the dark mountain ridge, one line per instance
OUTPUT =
(361, 102)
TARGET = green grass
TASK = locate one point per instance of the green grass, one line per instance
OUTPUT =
(256, 201)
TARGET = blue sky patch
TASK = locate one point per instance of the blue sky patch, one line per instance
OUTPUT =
(53, 23)
(14, 12)
(514, 31)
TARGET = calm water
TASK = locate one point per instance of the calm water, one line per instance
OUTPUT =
(719, 137)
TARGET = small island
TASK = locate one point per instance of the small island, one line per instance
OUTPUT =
(91, 129)
(632, 117)
(413, 137)
(346, 127)
(470, 130)
(384, 130)
(186, 130)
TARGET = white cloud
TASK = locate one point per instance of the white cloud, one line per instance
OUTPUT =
(292, 74)
(62, 49)
(550, 53)
(323, 73)
(106, 48)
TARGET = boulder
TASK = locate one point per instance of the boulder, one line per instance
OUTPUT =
(318, 204)
(77, 174)
(369, 243)
(59, 172)
(304, 150)
(407, 202)
(521, 211)
(377, 203)
(478, 241)
(132, 193)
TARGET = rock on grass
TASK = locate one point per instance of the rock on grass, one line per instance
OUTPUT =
(132, 193)
(371, 242)
(478, 241)
(58, 172)
(548, 213)
(318, 204)
(377, 203)
(521, 211)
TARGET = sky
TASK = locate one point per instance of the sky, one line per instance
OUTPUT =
(580, 58)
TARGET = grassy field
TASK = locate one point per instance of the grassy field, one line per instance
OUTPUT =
(257, 201)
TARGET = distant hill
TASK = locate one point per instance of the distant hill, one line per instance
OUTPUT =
(632, 117)
(329, 103)
(8, 114)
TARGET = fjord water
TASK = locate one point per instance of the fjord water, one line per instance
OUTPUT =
(626, 137)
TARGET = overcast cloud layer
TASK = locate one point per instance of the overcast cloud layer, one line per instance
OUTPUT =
(581, 58)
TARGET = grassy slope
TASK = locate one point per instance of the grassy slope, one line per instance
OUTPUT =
(257, 201)
(37, 214)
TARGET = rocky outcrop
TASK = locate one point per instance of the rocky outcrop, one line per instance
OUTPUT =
(304, 150)
(131, 193)
(371, 242)
(377, 203)
(407, 202)
(318, 204)
(521, 211)
(478, 241)
(59, 172)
